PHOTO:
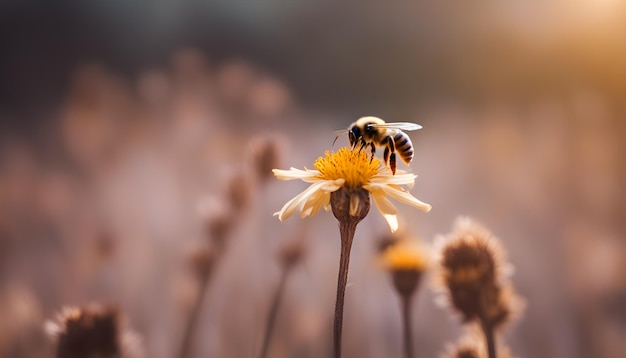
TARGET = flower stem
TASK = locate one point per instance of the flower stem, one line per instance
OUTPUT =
(192, 320)
(406, 320)
(269, 327)
(347, 228)
(487, 326)
(489, 339)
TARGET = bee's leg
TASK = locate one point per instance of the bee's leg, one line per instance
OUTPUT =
(373, 151)
(392, 155)
(386, 155)
(363, 144)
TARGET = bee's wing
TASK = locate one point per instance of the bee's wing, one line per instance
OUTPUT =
(405, 126)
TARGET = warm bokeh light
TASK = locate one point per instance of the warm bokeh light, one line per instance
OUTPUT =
(136, 148)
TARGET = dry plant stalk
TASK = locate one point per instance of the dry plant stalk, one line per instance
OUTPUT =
(290, 254)
(219, 226)
(203, 263)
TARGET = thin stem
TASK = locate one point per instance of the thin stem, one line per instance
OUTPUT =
(347, 228)
(487, 327)
(192, 320)
(406, 320)
(489, 339)
(269, 327)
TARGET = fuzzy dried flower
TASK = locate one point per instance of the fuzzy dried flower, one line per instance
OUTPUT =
(472, 270)
(218, 220)
(292, 252)
(471, 262)
(239, 192)
(265, 153)
(94, 331)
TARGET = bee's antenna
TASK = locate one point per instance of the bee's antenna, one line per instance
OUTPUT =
(344, 131)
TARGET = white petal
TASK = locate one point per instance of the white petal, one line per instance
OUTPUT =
(382, 203)
(406, 198)
(314, 203)
(321, 198)
(398, 179)
(298, 201)
(386, 208)
(392, 220)
(333, 185)
(294, 173)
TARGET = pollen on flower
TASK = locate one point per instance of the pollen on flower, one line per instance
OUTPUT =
(355, 166)
(405, 256)
(406, 262)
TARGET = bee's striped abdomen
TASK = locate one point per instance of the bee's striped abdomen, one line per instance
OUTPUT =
(404, 147)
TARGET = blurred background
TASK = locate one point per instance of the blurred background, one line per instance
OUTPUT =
(123, 126)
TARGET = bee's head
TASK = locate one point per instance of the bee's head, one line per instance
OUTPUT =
(354, 134)
(368, 130)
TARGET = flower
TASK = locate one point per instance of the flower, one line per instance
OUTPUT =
(406, 261)
(405, 255)
(352, 169)
(93, 331)
(474, 270)
(265, 154)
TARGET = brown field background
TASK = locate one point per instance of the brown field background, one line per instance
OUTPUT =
(122, 127)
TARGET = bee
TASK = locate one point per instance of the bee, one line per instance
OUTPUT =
(374, 132)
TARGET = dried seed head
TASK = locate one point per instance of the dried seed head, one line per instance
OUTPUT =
(92, 332)
(218, 220)
(471, 270)
(239, 192)
(265, 154)
(292, 252)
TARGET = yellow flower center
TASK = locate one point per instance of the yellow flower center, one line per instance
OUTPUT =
(404, 256)
(355, 166)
